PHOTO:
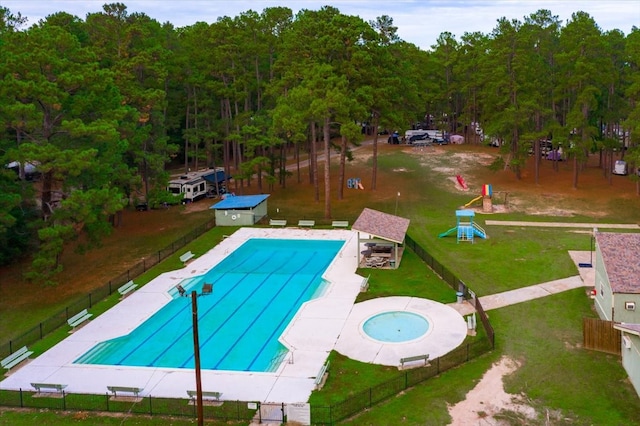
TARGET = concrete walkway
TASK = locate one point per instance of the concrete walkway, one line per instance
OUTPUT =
(563, 224)
(586, 278)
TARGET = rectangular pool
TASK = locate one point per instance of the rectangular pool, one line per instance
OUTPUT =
(258, 289)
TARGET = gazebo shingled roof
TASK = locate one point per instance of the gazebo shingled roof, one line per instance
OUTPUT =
(382, 225)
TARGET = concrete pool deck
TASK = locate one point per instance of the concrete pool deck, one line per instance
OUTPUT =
(322, 324)
(447, 330)
(311, 335)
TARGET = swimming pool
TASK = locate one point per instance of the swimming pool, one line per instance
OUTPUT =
(258, 288)
(396, 326)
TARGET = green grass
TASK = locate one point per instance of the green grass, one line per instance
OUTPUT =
(556, 375)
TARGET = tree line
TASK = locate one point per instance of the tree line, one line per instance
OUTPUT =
(102, 105)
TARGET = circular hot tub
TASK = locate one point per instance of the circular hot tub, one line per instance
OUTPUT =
(396, 326)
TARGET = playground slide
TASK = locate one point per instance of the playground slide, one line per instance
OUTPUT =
(473, 201)
(479, 233)
(461, 181)
(449, 232)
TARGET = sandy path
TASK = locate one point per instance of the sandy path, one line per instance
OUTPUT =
(488, 398)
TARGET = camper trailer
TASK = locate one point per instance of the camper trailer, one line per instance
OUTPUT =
(620, 168)
(193, 186)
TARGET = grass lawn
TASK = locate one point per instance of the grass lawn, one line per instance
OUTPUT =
(556, 376)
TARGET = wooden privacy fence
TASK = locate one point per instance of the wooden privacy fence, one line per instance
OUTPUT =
(599, 335)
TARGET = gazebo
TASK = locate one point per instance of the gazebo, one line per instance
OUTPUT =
(382, 234)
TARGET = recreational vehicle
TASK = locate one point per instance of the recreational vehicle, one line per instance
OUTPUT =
(192, 186)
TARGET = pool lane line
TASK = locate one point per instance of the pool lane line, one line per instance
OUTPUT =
(239, 305)
(161, 325)
(318, 276)
(265, 307)
(180, 336)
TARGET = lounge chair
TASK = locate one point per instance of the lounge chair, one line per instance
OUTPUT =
(181, 290)
(207, 288)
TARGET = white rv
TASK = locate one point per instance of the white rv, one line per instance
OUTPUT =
(192, 186)
(620, 168)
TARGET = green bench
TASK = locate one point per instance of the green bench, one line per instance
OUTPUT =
(277, 222)
(187, 257)
(129, 389)
(405, 360)
(340, 224)
(54, 386)
(205, 395)
(320, 376)
(15, 358)
(79, 318)
(127, 288)
(306, 223)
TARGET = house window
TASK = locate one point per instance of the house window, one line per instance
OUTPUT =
(601, 290)
(630, 306)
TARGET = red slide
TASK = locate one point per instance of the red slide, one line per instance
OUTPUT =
(461, 181)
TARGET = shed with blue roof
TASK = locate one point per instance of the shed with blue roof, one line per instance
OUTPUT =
(240, 210)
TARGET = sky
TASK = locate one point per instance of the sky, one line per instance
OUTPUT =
(418, 21)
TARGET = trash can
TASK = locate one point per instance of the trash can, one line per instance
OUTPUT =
(460, 296)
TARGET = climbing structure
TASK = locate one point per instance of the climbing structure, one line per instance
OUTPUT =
(466, 229)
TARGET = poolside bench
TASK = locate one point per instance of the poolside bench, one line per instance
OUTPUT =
(15, 358)
(54, 386)
(79, 318)
(306, 223)
(129, 389)
(340, 224)
(277, 222)
(186, 257)
(127, 288)
(205, 395)
(320, 378)
(405, 360)
(365, 284)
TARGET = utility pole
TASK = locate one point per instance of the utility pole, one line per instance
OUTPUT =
(196, 352)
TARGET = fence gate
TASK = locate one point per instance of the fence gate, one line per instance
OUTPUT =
(272, 412)
(599, 335)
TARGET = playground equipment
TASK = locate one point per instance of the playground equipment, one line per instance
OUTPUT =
(487, 205)
(466, 229)
(461, 181)
(354, 183)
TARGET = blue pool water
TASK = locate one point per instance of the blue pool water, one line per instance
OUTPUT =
(258, 289)
(396, 326)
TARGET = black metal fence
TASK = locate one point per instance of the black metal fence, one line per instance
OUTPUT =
(455, 283)
(329, 415)
(239, 410)
(227, 411)
(100, 293)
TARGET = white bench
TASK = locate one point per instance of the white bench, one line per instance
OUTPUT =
(277, 222)
(115, 389)
(405, 360)
(306, 223)
(16, 358)
(205, 395)
(320, 377)
(340, 224)
(55, 386)
(365, 284)
(79, 318)
(127, 288)
(186, 257)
